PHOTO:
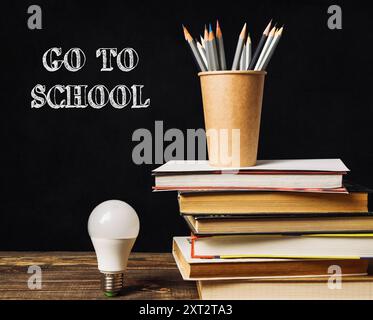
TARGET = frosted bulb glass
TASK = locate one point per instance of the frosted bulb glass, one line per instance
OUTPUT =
(113, 219)
(113, 227)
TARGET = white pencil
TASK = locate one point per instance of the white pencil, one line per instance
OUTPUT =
(265, 48)
(202, 42)
(202, 52)
(207, 48)
(271, 49)
(248, 52)
(243, 58)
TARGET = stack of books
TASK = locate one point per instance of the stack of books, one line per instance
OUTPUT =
(280, 230)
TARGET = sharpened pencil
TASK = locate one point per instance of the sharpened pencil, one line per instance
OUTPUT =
(243, 58)
(270, 38)
(259, 48)
(248, 52)
(214, 49)
(210, 56)
(205, 34)
(240, 43)
(202, 52)
(271, 49)
(202, 42)
(220, 44)
(194, 49)
(207, 49)
(209, 52)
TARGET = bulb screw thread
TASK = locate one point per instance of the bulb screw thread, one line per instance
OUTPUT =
(112, 283)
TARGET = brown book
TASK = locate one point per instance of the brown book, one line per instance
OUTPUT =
(271, 202)
(197, 269)
(352, 288)
(213, 225)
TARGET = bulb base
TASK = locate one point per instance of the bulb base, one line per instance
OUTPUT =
(112, 283)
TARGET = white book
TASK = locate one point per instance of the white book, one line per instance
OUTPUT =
(272, 165)
(353, 246)
(296, 174)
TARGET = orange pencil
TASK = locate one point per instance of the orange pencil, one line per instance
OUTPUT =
(195, 52)
(220, 43)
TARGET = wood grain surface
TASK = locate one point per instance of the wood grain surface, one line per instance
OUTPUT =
(74, 275)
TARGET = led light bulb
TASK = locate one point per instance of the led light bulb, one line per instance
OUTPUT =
(113, 227)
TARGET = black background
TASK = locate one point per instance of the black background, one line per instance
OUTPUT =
(57, 165)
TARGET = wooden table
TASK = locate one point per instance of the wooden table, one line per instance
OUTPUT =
(74, 275)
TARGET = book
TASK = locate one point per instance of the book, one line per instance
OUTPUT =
(198, 203)
(296, 175)
(213, 225)
(199, 269)
(352, 288)
(323, 246)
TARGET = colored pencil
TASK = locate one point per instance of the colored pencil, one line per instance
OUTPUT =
(194, 50)
(271, 49)
(214, 48)
(248, 52)
(202, 42)
(243, 58)
(270, 38)
(259, 48)
(202, 52)
(209, 52)
(206, 39)
(240, 43)
(221, 51)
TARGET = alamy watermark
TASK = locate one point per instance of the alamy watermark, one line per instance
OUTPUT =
(335, 18)
(174, 144)
(34, 282)
(34, 20)
(335, 280)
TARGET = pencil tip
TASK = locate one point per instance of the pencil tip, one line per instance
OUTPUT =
(210, 27)
(267, 29)
(206, 33)
(218, 30)
(243, 31)
(187, 35)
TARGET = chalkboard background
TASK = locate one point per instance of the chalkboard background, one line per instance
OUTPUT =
(57, 165)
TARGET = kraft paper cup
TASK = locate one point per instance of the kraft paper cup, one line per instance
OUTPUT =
(232, 105)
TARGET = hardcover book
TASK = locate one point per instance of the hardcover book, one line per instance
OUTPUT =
(352, 288)
(317, 175)
(249, 268)
(320, 246)
(300, 224)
